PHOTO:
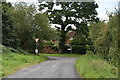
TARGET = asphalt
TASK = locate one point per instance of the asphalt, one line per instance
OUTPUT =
(56, 67)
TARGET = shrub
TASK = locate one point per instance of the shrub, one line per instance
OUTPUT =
(81, 49)
(79, 45)
(105, 39)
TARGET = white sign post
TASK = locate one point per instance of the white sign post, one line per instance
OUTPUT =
(70, 49)
(36, 40)
(36, 50)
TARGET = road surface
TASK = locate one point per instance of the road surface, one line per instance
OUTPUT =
(56, 67)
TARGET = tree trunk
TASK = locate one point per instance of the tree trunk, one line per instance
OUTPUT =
(62, 41)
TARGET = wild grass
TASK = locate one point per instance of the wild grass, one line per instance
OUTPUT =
(92, 66)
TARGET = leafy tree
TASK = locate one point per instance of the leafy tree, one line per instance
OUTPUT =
(9, 37)
(42, 29)
(41, 26)
(22, 16)
(105, 39)
(78, 14)
(30, 24)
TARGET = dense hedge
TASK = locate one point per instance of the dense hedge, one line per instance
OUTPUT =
(81, 49)
(105, 39)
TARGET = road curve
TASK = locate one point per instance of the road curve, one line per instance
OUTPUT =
(56, 67)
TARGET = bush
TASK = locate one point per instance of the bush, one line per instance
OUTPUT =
(81, 49)
(50, 47)
(105, 39)
(90, 47)
(79, 45)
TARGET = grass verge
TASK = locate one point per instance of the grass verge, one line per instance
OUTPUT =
(62, 55)
(11, 62)
(92, 66)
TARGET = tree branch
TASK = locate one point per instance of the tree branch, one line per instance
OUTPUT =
(58, 28)
(70, 28)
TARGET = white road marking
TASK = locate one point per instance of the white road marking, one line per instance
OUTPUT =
(55, 64)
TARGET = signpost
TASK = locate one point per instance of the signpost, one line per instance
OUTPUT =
(36, 40)
(36, 51)
(70, 49)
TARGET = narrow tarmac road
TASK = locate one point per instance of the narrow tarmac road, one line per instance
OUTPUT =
(57, 67)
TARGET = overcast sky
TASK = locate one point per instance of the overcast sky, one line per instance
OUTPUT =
(104, 5)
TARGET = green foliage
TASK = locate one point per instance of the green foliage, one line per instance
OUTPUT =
(9, 37)
(79, 45)
(70, 13)
(62, 55)
(93, 66)
(22, 24)
(22, 16)
(90, 47)
(79, 49)
(49, 43)
(41, 23)
(80, 41)
(105, 39)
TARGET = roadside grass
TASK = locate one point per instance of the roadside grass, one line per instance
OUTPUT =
(11, 62)
(92, 66)
(62, 55)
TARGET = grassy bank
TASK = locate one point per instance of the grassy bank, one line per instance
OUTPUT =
(92, 66)
(11, 62)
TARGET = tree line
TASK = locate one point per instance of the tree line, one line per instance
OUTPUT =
(22, 23)
(105, 38)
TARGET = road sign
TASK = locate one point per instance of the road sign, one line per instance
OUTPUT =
(36, 50)
(37, 39)
(69, 48)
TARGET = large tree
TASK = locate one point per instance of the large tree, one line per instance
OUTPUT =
(79, 14)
